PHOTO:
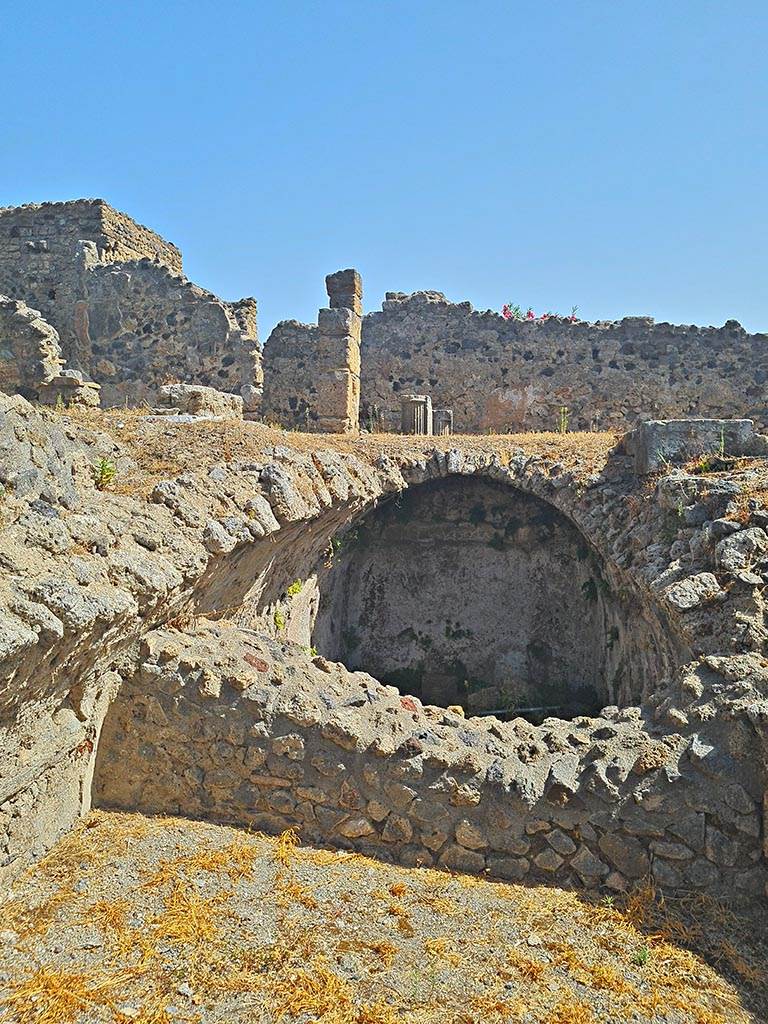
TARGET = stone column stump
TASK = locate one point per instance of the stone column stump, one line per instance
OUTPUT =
(442, 422)
(416, 414)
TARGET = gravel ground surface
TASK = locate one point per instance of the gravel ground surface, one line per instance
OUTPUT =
(164, 921)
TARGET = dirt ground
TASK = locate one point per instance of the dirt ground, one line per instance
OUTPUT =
(161, 448)
(142, 920)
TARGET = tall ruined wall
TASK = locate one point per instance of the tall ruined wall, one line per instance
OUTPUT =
(125, 314)
(38, 242)
(502, 375)
(139, 325)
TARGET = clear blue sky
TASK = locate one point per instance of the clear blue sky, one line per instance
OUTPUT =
(609, 154)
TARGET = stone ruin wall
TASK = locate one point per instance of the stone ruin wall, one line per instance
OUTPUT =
(503, 376)
(140, 325)
(312, 371)
(125, 314)
(38, 242)
(128, 319)
(290, 384)
(30, 352)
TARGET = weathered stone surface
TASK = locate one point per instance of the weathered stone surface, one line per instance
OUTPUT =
(522, 373)
(740, 550)
(124, 313)
(312, 374)
(548, 861)
(693, 591)
(588, 865)
(626, 853)
(196, 400)
(470, 835)
(211, 717)
(560, 842)
(456, 858)
(513, 869)
(655, 444)
(30, 350)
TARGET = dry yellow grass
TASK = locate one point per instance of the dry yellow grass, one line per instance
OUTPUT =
(261, 929)
(159, 450)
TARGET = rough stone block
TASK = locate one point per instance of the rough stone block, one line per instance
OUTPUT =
(656, 444)
(196, 400)
(345, 290)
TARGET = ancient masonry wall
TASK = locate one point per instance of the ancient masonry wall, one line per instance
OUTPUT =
(233, 727)
(506, 375)
(312, 372)
(38, 243)
(126, 316)
(139, 325)
(248, 725)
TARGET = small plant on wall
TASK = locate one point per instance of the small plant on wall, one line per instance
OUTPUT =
(104, 473)
(514, 311)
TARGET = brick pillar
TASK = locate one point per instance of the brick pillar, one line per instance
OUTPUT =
(338, 355)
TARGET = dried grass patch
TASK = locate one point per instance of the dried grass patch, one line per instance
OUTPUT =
(347, 940)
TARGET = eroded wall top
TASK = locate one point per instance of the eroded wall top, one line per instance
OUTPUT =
(502, 375)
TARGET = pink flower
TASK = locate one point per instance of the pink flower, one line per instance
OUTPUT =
(530, 315)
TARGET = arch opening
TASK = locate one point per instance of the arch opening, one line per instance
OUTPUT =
(467, 591)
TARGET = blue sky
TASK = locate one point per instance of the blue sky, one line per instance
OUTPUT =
(611, 155)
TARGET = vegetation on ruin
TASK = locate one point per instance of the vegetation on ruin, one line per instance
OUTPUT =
(514, 311)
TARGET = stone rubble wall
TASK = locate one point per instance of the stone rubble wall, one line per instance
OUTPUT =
(125, 314)
(290, 382)
(504, 375)
(227, 725)
(30, 352)
(89, 574)
(139, 326)
(38, 243)
(312, 372)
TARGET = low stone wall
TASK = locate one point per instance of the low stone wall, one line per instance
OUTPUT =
(223, 724)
